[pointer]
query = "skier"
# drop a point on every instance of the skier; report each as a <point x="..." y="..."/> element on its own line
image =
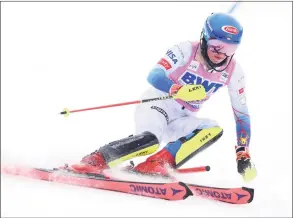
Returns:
<point x="192" y="72"/>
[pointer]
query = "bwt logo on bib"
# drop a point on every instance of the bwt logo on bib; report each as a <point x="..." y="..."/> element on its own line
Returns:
<point x="172" y="56"/>
<point x="189" y="78"/>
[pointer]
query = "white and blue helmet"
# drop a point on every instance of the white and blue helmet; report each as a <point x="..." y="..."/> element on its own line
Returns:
<point x="221" y="27"/>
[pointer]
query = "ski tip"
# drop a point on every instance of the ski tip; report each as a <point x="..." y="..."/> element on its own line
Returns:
<point x="208" y="168"/>
<point x="251" y="192"/>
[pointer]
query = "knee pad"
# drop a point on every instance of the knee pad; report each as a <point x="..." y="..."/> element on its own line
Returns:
<point x="196" y="142"/>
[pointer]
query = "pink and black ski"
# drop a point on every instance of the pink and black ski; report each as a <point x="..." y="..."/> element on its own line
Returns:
<point x="168" y="191"/>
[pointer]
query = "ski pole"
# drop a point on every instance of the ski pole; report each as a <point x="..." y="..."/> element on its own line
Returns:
<point x="194" y="169"/>
<point x="66" y="111"/>
<point x="233" y="7"/>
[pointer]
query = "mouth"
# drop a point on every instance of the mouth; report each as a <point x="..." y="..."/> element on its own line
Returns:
<point x="217" y="59"/>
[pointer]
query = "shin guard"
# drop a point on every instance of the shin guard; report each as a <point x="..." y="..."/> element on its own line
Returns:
<point x="127" y="148"/>
<point x="195" y="142"/>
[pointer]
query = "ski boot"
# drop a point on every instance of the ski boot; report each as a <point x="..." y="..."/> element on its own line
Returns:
<point x="116" y="152"/>
<point x="92" y="163"/>
<point x="156" y="164"/>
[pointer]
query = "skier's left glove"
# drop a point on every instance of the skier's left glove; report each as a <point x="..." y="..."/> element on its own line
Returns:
<point x="245" y="167"/>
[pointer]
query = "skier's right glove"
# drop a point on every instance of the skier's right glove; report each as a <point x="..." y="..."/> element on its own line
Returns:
<point x="245" y="167"/>
<point x="188" y="92"/>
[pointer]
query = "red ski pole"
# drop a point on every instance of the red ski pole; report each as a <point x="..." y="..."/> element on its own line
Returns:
<point x="194" y="169"/>
<point x="66" y="111"/>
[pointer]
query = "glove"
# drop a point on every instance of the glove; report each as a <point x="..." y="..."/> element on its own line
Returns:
<point x="244" y="165"/>
<point x="188" y="92"/>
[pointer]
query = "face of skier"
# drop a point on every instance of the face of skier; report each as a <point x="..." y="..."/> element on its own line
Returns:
<point x="216" y="57"/>
<point x="218" y="50"/>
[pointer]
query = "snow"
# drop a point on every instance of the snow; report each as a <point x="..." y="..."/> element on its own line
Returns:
<point x="78" y="55"/>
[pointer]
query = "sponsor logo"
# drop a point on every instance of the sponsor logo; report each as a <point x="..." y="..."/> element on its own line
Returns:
<point x="213" y="193"/>
<point x="230" y="29"/>
<point x="240" y="91"/>
<point x="165" y="64"/>
<point x="194" y="88"/>
<point x="141" y="153"/>
<point x="193" y="66"/>
<point x="172" y="56"/>
<point x="190" y="78"/>
<point x="148" y="189"/>
<point x="224" y="77"/>
<point x="206" y="137"/>
<point x="162" y="112"/>
<point x="175" y="191"/>
<point x="239" y="196"/>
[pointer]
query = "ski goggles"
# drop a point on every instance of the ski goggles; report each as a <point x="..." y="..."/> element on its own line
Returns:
<point x="218" y="46"/>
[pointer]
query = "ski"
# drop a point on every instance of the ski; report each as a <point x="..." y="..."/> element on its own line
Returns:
<point x="131" y="169"/>
<point x="241" y="195"/>
<point x="167" y="191"/>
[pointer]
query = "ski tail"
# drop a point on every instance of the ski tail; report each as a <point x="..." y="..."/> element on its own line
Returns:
<point x="241" y="195"/>
<point x="167" y="191"/>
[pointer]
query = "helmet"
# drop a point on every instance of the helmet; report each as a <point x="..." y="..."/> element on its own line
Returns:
<point x="224" y="29"/>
